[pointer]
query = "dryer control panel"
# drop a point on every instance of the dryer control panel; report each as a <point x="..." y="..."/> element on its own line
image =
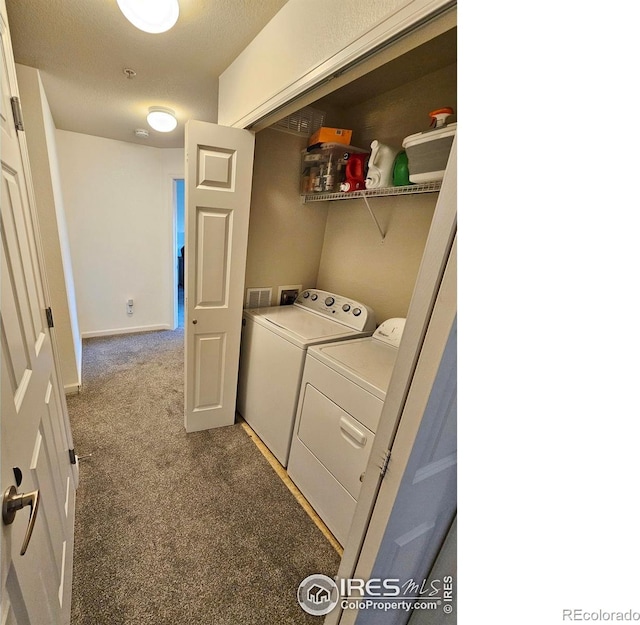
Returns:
<point x="339" y="308"/>
<point x="390" y="331"/>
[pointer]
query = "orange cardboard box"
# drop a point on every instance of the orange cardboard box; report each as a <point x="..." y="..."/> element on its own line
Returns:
<point x="330" y="135"/>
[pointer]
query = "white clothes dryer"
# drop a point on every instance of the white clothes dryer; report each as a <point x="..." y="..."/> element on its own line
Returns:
<point x="341" y="397"/>
<point x="274" y="344"/>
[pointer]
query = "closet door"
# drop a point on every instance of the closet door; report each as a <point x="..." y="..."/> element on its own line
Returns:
<point x="219" y="169"/>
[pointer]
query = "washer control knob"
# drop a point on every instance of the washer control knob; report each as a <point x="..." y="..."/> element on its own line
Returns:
<point x="314" y="297"/>
<point x="346" y="307"/>
<point x="357" y="312"/>
<point x="330" y="301"/>
<point x="305" y="294"/>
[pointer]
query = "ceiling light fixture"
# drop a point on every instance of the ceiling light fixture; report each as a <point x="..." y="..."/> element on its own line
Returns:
<point x="162" y="119"/>
<point x="151" y="16"/>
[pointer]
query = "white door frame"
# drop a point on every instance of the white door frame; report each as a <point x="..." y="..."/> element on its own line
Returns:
<point x="173" y="268"/>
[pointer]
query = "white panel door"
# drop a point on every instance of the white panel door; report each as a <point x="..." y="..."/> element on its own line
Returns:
<point x="219" y="165"/>
<point x="417" y="499"/>
<point x="36" y="573"/>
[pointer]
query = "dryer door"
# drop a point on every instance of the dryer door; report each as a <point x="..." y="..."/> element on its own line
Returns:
<point x="340" y="442"/>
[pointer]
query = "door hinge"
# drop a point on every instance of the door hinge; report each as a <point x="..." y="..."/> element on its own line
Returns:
<point x="72" y="455"/>
<point x="49" y="317"/>
<point x="385" y="463"/>
<point x="17" y="113"/>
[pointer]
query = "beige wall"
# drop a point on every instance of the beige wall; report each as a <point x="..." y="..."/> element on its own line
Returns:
<point x="336" y="246"/>
<point x="285" y="236"/>
<point x="357" y="264"/>
<point x="398" y="113"/>
<point x="354" y="261"/>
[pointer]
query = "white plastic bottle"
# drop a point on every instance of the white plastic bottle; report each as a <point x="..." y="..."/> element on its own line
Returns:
<point x="380" y="174"/>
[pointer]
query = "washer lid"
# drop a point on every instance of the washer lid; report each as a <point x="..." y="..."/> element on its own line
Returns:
<point x="300" y="326"/>
<point x="366" y="362"/>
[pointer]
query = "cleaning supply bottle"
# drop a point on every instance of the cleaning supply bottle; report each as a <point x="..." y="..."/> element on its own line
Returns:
<point x="439" y="116"/>
<point x="380" y="172"/>
<point x="354" y="172"/>
<point x="401" y="170"/>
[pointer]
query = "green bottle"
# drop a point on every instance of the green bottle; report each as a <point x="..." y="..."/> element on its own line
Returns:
<point x="401" y="170"/>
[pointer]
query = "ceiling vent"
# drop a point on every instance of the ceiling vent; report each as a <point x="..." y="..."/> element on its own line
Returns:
<point x="257" y="298"/>
<point x="303" y="122"/>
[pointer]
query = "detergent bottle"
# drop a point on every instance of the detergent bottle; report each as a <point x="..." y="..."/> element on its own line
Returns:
<point x="401" y="170"/>
<point x="354" y="172"/>
<point x="380" y="172"/>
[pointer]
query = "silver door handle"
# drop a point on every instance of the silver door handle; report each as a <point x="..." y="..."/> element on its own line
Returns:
<point x="12" y="502"/>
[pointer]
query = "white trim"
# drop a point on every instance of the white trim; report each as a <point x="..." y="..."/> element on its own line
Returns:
<point x="72" y="389"/>
<point x="173" y="213"/>
<point x="383" y="32"/>
<point x="115" y="331"/>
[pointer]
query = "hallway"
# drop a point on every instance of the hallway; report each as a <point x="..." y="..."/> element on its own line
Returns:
<point x="176" y="528"/>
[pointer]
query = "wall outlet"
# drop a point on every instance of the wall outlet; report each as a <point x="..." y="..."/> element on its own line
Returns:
<point x="129" y="307"/>
<point x="288" y="294"/>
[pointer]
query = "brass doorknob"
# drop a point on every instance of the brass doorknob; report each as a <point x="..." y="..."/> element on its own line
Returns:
<point x="12" y="502"/>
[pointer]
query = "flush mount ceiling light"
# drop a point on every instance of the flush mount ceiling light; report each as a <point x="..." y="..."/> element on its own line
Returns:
<point x="151" y="16"/>
<point x="162" y="119"/>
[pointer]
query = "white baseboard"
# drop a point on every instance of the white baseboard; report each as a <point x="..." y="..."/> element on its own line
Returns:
<point x="115" y="331"/>
<point x="72" y="389"/>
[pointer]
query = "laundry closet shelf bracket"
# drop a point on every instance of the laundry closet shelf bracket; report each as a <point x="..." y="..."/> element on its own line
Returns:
<point x="375" y="219"/>
<point x="425" y="187"/>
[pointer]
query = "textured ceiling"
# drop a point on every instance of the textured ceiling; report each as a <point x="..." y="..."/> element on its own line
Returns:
<point x="81" y="48"/>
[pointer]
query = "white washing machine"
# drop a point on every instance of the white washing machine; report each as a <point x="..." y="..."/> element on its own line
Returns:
<point x="341" y="397"/>
<point x="273" y="348"/>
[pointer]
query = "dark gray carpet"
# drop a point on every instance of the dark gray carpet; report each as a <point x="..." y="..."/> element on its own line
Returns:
<point x="176" y="528"/>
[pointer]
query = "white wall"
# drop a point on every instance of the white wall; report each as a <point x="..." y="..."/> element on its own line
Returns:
<point x="118" y="201"/>
<point x="41" y="143"/>
<point x="303" y="44"/>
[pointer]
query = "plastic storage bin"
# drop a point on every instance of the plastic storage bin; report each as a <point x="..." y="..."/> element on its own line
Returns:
<point x="428" y="153"/>
<point x="323" y="169"/>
